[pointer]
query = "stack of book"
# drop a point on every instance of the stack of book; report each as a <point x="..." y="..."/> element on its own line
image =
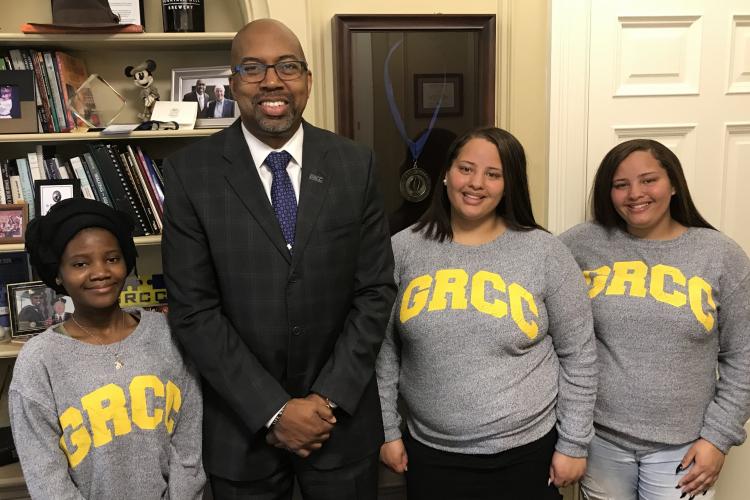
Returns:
<point x="57" y="75"/>
<point x="121" y="175"/>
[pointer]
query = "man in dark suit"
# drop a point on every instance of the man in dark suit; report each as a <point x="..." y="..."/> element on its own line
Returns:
<point x="199" y="95"/>
<point x="280" y="280"/>
<point x="220" y="107"/>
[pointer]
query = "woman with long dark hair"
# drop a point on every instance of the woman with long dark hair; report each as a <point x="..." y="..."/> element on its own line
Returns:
<point x="490" y="342"/>
<point x="671" y="303"/>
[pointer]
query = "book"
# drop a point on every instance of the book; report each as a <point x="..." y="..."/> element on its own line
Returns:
<point x="7" y="194"/>
<point x="128" y="162"/>
<point x="15" y="182"/>
<point x="155" y="195"/>
<point x="27" y="184"/>
<point x="54" y="85"/>
<point x="36" y="174"/>
<point x="80" y="174"/>
<point x="100" y="189"/>
<point x="43" y="89"/>
<point x="72" y="75"/>
<point x="122" y="196"/>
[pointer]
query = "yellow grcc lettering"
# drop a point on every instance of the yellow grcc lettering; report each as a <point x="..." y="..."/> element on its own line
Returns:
<point x="596" y="279"/>
<point x="656" y="288"/>
<point x="173" y="405"/>
<point x="79" y="437"/>
<point x="479" y="281"/>
<point x="451" y="281"/>
<point x="517" y="293"/>
<point x="415" y="297"/>
<point x="100" y="415"/>
<point x="139" y="401"/>
<point x="697" y="288"/>
<point x="633" y="272"/>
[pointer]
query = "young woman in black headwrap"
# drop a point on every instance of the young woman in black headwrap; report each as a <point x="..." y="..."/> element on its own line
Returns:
<point x="102" y="405"/>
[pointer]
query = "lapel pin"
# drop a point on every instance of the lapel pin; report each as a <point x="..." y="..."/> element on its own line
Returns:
<point x="316" y="178"/>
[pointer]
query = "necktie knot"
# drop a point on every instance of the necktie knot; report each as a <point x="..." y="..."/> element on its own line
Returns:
<point x="278" y="161"/>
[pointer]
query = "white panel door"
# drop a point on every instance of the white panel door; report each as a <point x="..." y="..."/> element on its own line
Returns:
<point x="677" y="71"/>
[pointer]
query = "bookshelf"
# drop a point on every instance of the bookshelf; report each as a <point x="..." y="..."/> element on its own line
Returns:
<point x="108" y="55"/>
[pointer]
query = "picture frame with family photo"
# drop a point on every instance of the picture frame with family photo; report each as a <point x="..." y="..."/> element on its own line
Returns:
<point x="206" y="86"/>
<point x="34" y="307"/>
<point x="17" y="103"/>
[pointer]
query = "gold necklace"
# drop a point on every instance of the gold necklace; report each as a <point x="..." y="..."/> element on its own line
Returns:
<point x="118" y="363"/>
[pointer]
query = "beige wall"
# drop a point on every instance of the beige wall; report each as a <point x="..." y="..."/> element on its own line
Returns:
<point x="522" y="61"/>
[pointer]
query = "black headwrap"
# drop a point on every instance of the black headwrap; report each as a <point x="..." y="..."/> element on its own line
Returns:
<point x="47" y="236"/>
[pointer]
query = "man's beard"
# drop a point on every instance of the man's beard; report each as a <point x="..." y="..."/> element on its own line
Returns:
<point x="276" y="125"/>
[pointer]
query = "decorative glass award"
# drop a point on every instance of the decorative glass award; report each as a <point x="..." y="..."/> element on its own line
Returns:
<point x="96" y="103"/>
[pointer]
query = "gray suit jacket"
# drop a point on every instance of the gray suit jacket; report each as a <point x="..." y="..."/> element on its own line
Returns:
<point x="264" y="325"/>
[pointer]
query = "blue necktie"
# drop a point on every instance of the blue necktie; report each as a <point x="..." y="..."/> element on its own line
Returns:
<point x="282" y="195"/>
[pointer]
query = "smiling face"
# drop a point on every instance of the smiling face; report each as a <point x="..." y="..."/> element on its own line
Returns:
<point x="93" y="270"/>
<point x="219" y="93"/>
<point x="272" y="108"/>
<point x="475" y="183"/>
<point x="641" y="193"/>
<point x="200" y="87"/>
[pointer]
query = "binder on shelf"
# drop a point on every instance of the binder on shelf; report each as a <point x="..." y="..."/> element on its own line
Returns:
<point x="145" y="189"/>
<point x="115" y="180"/>
<point x="7" y="195"/>
<point x="141" y="204"/>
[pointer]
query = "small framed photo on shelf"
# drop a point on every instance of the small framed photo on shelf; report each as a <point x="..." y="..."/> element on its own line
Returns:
<point x="210" y="88"/>
<point x="17" y="103"/>
<point x="430" y="88"/>
<point x="13" y="220"/>
<point x="50" y="191"/>
<point x="34" y="308"/>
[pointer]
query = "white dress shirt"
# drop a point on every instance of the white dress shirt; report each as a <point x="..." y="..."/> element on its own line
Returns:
<point x="260" y="151"/>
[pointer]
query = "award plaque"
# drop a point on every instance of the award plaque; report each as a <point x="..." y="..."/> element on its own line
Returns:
<point x="96" y="103"/>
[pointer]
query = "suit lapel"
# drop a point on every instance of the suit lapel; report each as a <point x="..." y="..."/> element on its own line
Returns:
<point x="242" y="176"/>
<point x="313" y="186"/>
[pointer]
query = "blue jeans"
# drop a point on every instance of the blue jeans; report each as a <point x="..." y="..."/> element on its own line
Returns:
<point x="615" y="473"/>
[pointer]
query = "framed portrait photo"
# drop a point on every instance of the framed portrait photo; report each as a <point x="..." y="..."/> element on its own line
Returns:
<point x="210" y="88"/>
<point x="50" y="191"/>
<point x="17" y="103"/>
<point x="429" y="89"/>
<point x="13" y="220"/>
<point x="34" y="308"/>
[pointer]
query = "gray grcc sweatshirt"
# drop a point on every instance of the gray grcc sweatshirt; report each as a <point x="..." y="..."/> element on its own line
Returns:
<point x="667" y="314"/>
<point x="489" y="345"/>
<point x="84" y="429"/>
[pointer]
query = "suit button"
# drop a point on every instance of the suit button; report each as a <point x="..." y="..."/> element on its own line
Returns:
<point x="296" y="331"/>
<point x="293" y="278"/>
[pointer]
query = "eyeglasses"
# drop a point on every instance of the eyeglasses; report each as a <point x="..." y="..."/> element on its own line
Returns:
<point x="254" y="72"/>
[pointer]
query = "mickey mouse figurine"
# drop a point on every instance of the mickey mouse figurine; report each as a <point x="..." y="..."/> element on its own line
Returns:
<point x="143" y="78"/>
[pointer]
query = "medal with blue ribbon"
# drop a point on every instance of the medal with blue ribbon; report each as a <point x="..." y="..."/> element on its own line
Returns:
<point x="415" y="184"/>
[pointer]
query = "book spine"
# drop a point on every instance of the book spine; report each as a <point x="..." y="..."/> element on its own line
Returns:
<point x="62" y="170"/>
<point x="55" y="88"/>
<point x="99" y="186"/>
<point x="28" y="61"/>
<point x="80" y="174"/>
<point x="122" y="197"/>
<point x="40" y="72"/>
<point x="158" y="200"/>
<point x="7" y="195"/>
<point x="27" y="184"/>
<point x="130" y="186"/>
<point x="57" y="61"/>
<point x="50" y="169"/>
<point x="128" y="162"/>
<point x="15" y="182"/>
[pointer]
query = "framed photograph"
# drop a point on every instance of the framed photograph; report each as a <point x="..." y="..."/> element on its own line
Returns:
<point x="34" y="308"/>
<point x="50" y="191"/>
<point x="17" y="103"/>
<point x="209" y="87"/>
<point x="429" y="88"/>
<point x="13" y="220"/>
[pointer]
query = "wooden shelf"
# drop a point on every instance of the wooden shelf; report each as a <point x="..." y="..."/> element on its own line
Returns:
<point x="55" y="138"/>
<point x="9" y="350"/>
<point x="140" y="241"/>
<point x="122" y="41"/>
